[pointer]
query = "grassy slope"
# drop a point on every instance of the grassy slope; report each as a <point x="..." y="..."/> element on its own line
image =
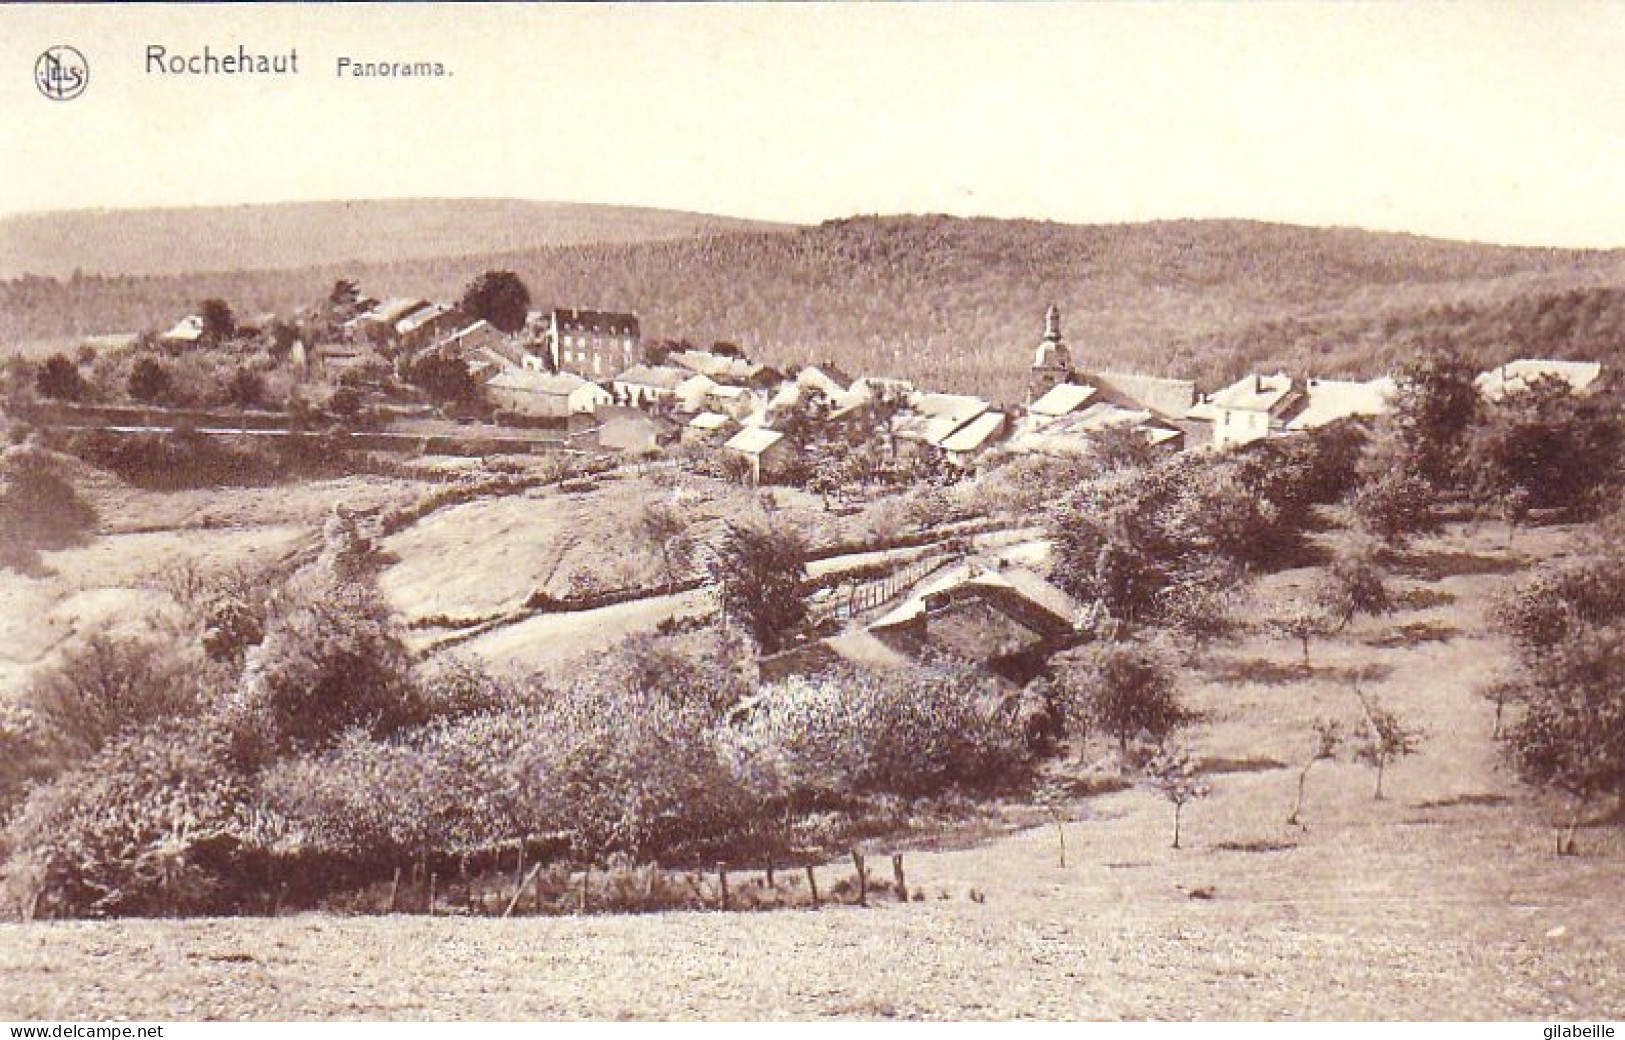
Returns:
<point x="1442" y="902"/>
<point x="304" y="234"/>
<point x="958" y="304"/>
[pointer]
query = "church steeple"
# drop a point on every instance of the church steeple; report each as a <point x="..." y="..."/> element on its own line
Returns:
<point x="1052" y="362"/>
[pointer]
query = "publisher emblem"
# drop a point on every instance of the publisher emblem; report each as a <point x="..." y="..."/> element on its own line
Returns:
<point x="61" y="73"/>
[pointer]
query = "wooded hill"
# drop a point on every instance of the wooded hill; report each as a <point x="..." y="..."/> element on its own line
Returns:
<point x="958" y="303"/>
<point x="304" y="234"/>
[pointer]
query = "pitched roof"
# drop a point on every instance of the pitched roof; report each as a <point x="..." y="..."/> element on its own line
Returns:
<point x="391" y="311"/>
<point x="753" y="440"/>
<point x="1169" y="398"/>
<point x="1061" y="399"/>
<point x="1525" y="372"/>
<point x="975" y="434"/>
<point x="709" y="421"/>
<point x="1255" y="393"/>
<point x="561" y="385"/>
<point x="186" y="330"/>
<point x="1332" y="399"/>
<point x="716" y="366"/>
<point x="933" y="418"/>
<point x="601" y="323"/>
<point x="421" y="317"/>
<point x="663" y="377"/>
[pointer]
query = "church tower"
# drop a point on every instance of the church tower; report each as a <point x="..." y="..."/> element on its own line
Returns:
<point x="1052" y="363"/>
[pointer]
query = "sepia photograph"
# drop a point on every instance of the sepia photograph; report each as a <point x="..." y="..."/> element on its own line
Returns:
<point x="872" y="512"/>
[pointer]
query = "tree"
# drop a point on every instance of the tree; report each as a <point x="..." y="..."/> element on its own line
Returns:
<point x="665" y="527"/>
<point x="760" y="570"/>
<point x="1354" y="585"/>
<point x="59" y="378"/>
<point x="1328" y="738"/>
<point x="1124" y="690"/>
<point x="444" y="379"/>
<point x="1387" y="738"/>
<point x="1545" y="447"/>
<point x="500" y="298"/>
<point x="1395" y="505"/>
<point x="1435" y="405"/>
<point x="1571" y="736"/>
<point x="1297" y="617"/>
<point x="219" y="324"/>
<point x="1172" y="774"/>
<point x="344" y="295"/>
<point x="149" y="381"/>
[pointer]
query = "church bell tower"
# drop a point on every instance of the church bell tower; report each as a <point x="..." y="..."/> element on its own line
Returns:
<point x="1052" y="363"/>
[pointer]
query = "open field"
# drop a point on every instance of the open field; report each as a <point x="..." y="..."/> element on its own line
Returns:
<point x="117" y="576"/>
<point x="1443" y="901"/>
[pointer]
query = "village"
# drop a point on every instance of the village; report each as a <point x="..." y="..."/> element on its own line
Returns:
<point x="490" y="610"/>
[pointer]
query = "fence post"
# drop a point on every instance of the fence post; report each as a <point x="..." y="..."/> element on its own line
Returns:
<point x="897" y="873"/>
<point x="863" y="878"/>
<point x="722" y="882"/>
<point x="812" y="884"/>
<point x="394" y="886"/>
<point x="519" y="889"/>
<point x="586" y="873"/>
<point x="433" y="878"/>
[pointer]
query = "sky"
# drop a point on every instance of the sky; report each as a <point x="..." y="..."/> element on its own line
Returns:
<point x="1496" y="122"/>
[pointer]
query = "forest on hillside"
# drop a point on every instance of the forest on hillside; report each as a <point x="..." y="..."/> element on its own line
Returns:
<point x="957" y="304"/>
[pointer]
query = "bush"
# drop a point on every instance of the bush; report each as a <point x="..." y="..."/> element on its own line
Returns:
<point x="59" y="378"/>
<point x="1558" y="602"/>
<point x="108" y="684"/>
<point x="39" y="506"/>
<point x="149" y="826"/>
<point x="855" y="732"/>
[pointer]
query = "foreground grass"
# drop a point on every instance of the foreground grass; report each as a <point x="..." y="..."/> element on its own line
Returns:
<point x="1442" y="901"/>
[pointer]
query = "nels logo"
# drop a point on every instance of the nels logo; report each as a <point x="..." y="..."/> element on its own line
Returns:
<point x="61" y="73"/>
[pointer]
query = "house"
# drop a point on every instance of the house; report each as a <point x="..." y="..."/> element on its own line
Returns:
<point x="998" y="614"/>
<point x="693" y="393"/>
<point x="1061" y="399"/>
<point x="966" y="443"/>
<point x="1075" y="434"/>
<point x="633" y="430"/>
<point x="188" y="332"/>
<point x="1518" y="375"/>
<point x="764" y="450"/>
<point x="337" y="359"/>
<point x="379" y="322"/>
<point x="595" y="344"/>
<point x="425" y="325"/>
<point x="645" y="386"/>
<point x="1250" y="409"/>
<point x="707" y="428"/>
<point x="543" y="395"/>
<point x="1330" y="400"/>
<point x="466" y="342"/>
<point x="930" y="419"/>
<point x="726" y="369"/>
<point x="1166" y="399"/>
